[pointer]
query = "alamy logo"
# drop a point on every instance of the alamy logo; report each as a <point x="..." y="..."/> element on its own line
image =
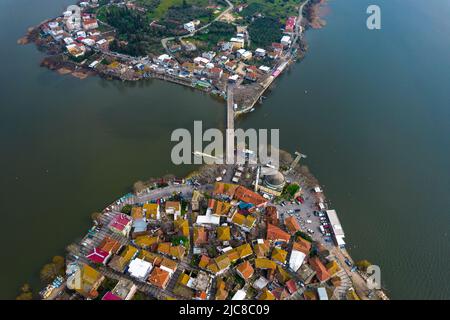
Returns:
<point x="241" y="145"/>
<point x="374" y="279"/>
<point x="73" y="17"/>
<point x="374" y="20"/>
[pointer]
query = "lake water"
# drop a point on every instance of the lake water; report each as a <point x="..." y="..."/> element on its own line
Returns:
<point x="374" y="124"/>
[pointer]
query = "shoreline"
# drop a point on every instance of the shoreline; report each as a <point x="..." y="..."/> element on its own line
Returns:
<point x="82" y="73"/>
<point x="203" y="180"/>
<point x="58" y="60"/>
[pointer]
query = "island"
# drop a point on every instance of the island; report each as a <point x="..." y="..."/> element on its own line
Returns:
<point x="209" y="45"/>
<point x="224" y="232"/>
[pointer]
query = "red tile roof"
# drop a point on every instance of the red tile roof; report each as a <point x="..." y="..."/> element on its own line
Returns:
<point x="291" y="286"/>
<point x="246" y="195"/>
<point x="292" y="224"/>
<point x="159" y="277"/>
<point x="276" y="234"/>
<point x="120" y="222"/>
<point x="321" y="272"/>
<point x="97" y="255"/>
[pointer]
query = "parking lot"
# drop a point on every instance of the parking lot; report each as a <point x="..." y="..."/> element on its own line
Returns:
<point x="304" y="212"/>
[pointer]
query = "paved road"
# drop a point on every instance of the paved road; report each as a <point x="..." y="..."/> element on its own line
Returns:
<point x="230" y="125"/>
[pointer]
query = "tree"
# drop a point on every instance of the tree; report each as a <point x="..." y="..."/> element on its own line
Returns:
<point x="51" y="270"/>
<point x="127" y="209"/>
<point x="292" y="189"/>
<point x="96" y="216"/>
<point x="72" y="248"/>
<point x="363" y="265"/>
<point x="25" y="293"/>
<point x="139" y="186"/>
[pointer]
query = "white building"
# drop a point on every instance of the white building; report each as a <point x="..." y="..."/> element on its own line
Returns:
<point x="208" y="218"/>
<point x="139" y="269"/>
<point x="296" y="260"/>
<point x="265" y="69"/>
<point x="260" y="52"/>
<point x="190" y="26"/>
<point x="336" y="226"/>
<point x="322" y="293"/>
<point x="239" y="295"/>
<point x="201" y="61"/>
<point x="286" y="41"/>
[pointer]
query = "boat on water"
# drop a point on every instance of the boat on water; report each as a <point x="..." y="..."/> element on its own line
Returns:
<point x="252" y="109"/>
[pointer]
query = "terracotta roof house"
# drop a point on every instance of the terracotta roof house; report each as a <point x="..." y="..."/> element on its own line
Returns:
<point x="246" y="195"/>
<point x="204" y="261"/>
<point x="109" y="245"/>
<point x="159" y="278"/>
<point x="219" y="208"/>
<point x="302" y="245"/>
<point x="226" y="189"/>
<point x="164" y="248"/>
<point x="245" y="270"/>
<point x="321" y="272"/>
<point x="292" y="224"/>
<point x="276" y="234"/>
<point x="200" y="236"/>
<point x="233" y="255"/>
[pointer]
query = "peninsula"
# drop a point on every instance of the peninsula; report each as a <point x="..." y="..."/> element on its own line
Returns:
<point x="224" y="232"/>
<point x="203" y="44"/>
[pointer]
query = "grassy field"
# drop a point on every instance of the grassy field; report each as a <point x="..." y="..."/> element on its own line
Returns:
<point x="157" y="9"/>
<point x="279" y="9"/>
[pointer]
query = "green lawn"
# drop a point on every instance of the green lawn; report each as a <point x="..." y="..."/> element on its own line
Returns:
<point x="279" y="9"/>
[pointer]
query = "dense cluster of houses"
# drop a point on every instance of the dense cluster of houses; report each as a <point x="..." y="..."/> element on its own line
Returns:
<point x="233" y="235"/>
<point x="232" y="61"/>
<point x="78" y="32"/>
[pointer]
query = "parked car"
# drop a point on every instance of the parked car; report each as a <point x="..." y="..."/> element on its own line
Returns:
<point x="347" y="262"/>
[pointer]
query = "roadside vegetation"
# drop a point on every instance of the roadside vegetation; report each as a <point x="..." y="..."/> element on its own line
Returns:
<point x="264" y="31"/>
<point x="139" y="31"/>
<point x="218" y="31"/>
<point x="53" y="269"/>
<point x="277" y="9"/>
